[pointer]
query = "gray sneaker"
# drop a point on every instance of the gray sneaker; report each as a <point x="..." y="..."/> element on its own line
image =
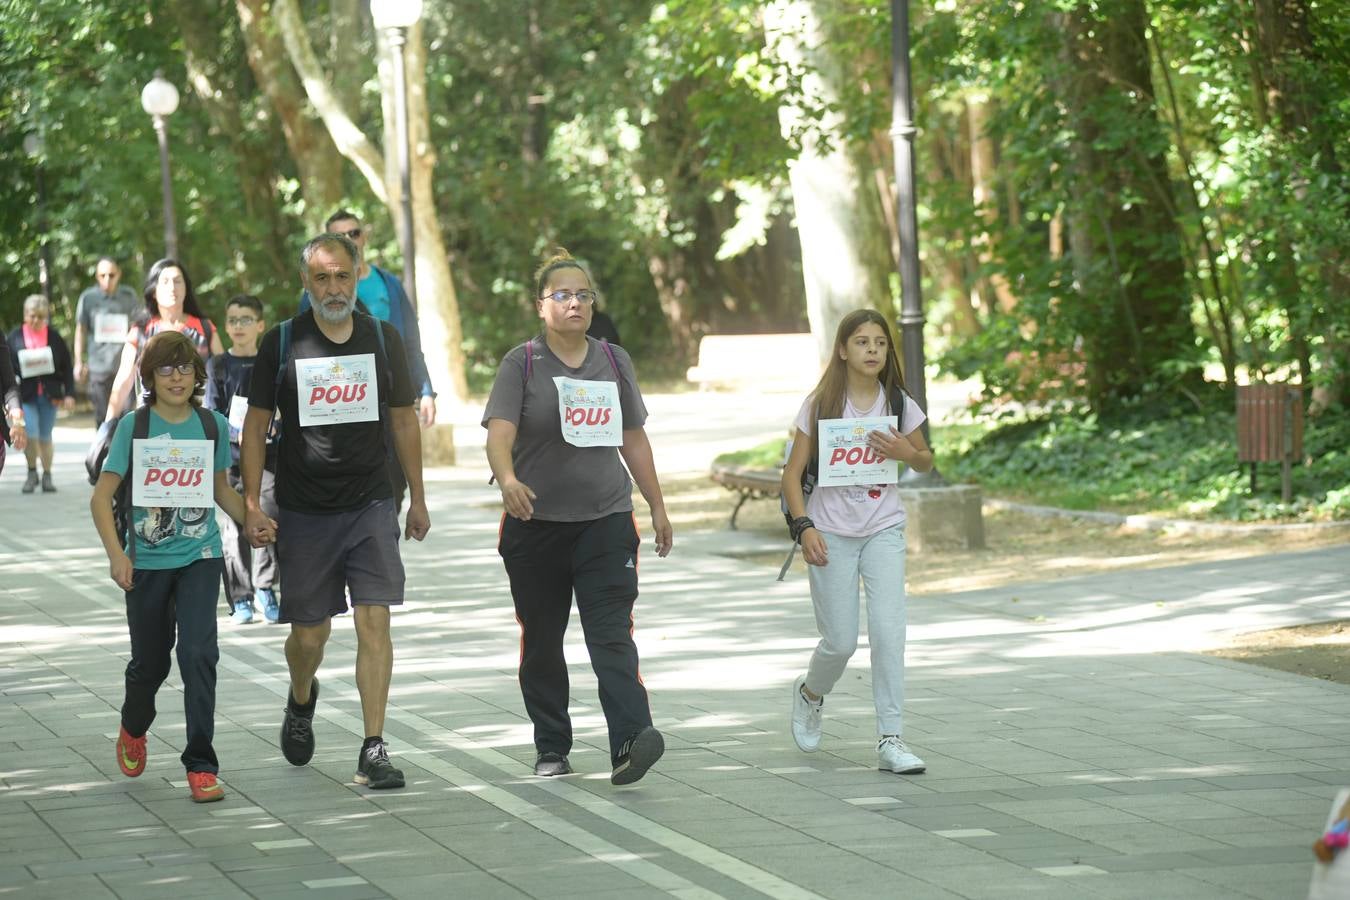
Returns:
<point x="374" y="769"/>
<point x="640" y="752"/>
<point x="805" y="718"/>
<point x="894" y="756"/>
<point x="551" y="765"/>
<point x="30" y="484"/>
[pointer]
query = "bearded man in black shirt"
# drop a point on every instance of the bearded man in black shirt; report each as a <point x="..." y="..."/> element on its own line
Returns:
<point x="338" y="382"/>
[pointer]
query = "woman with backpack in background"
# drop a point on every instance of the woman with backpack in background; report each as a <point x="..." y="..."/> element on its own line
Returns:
<point x="561" y="406"/>
<point x="170" y="305"/>
<point x="856" y="531"/>
<point x="46" y="380"/>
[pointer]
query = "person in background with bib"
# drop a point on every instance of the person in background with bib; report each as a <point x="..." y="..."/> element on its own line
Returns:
<point x="856" y="531"/>
<point x="46" y="380"/>
<point x="13" y="429"/>
<point x="170" y="305"/>
<point x="249" y="573"/>
<point x="564" y="416"/>
<point x="103" y="317"/>
<point x="340" y="385"/>
<point x="171" y="569"/>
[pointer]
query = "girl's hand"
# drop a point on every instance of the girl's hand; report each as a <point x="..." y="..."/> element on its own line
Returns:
<point x="18" y="436"/>
<point x="68" y="403"/>
<point x="119" y="567"/>
<point x="516" y="497"/>
<point x="892" y="445"/>
<point x="814" y="549"/>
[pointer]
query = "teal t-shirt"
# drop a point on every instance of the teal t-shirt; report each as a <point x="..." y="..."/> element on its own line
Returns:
<point x="170" y="537"/>
<point x="373" y="292"/>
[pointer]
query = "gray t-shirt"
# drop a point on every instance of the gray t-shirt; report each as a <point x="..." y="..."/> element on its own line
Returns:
<point x="571" y="484"/>
<point x="102" y="357"/>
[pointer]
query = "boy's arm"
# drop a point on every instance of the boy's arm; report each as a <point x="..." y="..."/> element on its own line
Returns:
<point x="228" y="499"/>
<point x="100" y="506"/>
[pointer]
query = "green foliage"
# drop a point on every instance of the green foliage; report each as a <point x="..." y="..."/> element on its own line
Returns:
<point x="1155" y="455"/>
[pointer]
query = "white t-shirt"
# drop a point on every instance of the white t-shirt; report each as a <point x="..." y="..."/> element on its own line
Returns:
<point x="858" y="510"/>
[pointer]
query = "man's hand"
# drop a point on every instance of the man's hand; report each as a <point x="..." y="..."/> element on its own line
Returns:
<point x="814" y="549"/>
<point x="516" y="499"/>
<point x="81" y="370"/>
<point x="665" y="535"/>
<point x="68" y="403"/>
<point x="417" y="523"/>
<point x="259" y="528"/>
<point x="120" y="568"/>
<point x="426" y="412"/>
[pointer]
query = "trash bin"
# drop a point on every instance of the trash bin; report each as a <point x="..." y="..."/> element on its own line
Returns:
<point x="1270" y="428"/>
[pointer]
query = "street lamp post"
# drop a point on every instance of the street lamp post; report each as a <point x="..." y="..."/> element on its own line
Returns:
<point x="34" y="146"/>
<point x="394" y="18"/>
<point x="907" y="223"/>
<point x="160" y="99"/>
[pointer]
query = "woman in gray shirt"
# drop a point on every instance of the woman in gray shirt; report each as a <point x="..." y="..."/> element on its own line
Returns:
<point x="564" y="416"/>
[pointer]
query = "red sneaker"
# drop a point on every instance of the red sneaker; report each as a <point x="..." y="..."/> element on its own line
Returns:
<point x="130" y="753"/>
<point x="204" y="787"/>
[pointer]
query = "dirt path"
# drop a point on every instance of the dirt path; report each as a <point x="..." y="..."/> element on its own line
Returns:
<point x="1024" y="548"/>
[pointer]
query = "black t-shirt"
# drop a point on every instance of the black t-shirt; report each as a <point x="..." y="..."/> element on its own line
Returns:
<point x="226" y="376"/>
<point x="331" y="468"/>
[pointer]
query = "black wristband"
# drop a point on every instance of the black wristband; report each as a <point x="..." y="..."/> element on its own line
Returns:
<point x="800" y="524"/>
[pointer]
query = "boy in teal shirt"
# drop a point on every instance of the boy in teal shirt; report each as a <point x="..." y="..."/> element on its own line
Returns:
<point x="175" y="578"/>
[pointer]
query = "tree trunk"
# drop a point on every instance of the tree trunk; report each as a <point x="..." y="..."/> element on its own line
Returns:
<point x="996" y="292"/>
<point x="1133" y="303"/>
<point x="316" y="158"/>
<point x="845" y="260"/>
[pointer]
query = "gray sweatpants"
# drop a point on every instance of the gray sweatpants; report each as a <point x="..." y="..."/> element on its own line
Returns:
<point x="879" y="561"/>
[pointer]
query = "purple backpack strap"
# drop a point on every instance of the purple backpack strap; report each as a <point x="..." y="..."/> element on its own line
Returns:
<point x="529" y="359"/>
<point x="613" y="363"/>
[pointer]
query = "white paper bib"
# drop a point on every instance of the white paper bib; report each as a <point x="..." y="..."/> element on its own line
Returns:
<point x="168" y="472"/>
<point x="110" y="328"/>
<point x="238" y="409"/>
<point x="337" y="389"/>
<point x="590" y="412"/>
<point x="37" y="361"/>
<point x="845" y="457"/>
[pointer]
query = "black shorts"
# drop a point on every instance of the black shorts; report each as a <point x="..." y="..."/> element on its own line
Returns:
<point x="321" y="556"/>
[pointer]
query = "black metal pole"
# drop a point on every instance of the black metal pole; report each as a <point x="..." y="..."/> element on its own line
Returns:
<point x="907" y="223"/>
<point x="398" y="39"/>
<point x="166" y="188"/>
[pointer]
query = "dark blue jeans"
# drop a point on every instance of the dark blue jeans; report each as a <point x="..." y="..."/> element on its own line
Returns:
<point x="164" y="604"/>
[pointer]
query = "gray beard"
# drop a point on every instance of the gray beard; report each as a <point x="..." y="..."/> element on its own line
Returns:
<point x="323" y="312"/>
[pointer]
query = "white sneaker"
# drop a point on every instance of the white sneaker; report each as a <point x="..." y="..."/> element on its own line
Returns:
<point x="805" y="718"/>
<point x="894" y="756"/>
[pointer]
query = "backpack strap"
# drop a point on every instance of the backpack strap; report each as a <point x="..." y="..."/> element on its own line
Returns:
<point x="283" y="357"/>
<point x="529" y="359"/>
<point x="140" y="430"/>
<point x="613" y="363"/>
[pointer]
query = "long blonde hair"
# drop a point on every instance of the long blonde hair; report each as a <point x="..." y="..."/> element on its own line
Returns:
<point x="828" y="396"/>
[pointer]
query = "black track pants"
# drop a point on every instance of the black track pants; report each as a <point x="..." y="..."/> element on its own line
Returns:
<point x="547" y="562"/>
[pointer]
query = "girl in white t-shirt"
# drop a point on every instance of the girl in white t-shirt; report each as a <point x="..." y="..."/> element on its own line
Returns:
<point x="856" y="531"/>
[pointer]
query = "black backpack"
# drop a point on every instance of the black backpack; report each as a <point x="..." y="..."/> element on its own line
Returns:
<point x="811" y="474"/>
<point x="121" y="504"/>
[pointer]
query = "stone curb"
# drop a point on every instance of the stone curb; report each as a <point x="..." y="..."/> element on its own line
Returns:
<point x="1159" y="523"/>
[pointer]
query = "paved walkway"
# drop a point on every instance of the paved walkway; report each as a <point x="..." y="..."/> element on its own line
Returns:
<point x="1075" y="749"/>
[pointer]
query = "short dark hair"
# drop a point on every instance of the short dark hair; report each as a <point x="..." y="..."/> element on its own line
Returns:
<point x="248" y="301"/>
<point x="107" y="259"/>
<point x="338" y="217"/>
<point x="328" y="239"/>
<point x="171" y="348"/>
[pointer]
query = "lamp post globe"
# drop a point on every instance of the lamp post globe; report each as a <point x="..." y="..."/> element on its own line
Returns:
<point x="33" y="145"/>
<point x="395" y="13"/>
<point x="159" y="97"/>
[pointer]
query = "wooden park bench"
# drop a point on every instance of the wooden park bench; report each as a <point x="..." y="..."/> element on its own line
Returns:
<point x="765" y="362"/>
<point x="749" y="483"/>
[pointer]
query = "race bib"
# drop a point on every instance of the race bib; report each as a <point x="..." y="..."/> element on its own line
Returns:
<point x="37" y="361"/>
<point x="238" y="409"/>
<point x="168" y="472"/>
<point x="337" y="389"/>
<point x="110" y="328"/>
<point x="590" y="412"/>
<point x="845" y="457"/>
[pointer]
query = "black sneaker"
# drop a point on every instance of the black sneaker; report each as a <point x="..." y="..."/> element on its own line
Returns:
<point x="549" y="765"/>
<point x="374" y="770"/>
<point x="640" y="752"/>
<point x="297" y="729"/>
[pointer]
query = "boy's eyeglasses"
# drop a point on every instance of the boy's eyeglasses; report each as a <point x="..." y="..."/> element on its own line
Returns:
<point x="584" y="297"/>
<point x="181" y="369"/>
<point x="354" y="234"/>
<point x="241" y="322"/>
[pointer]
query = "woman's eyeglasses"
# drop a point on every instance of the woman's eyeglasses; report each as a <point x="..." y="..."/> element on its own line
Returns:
<point x="584" y="297"/>
<point x="181" y="369"/>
